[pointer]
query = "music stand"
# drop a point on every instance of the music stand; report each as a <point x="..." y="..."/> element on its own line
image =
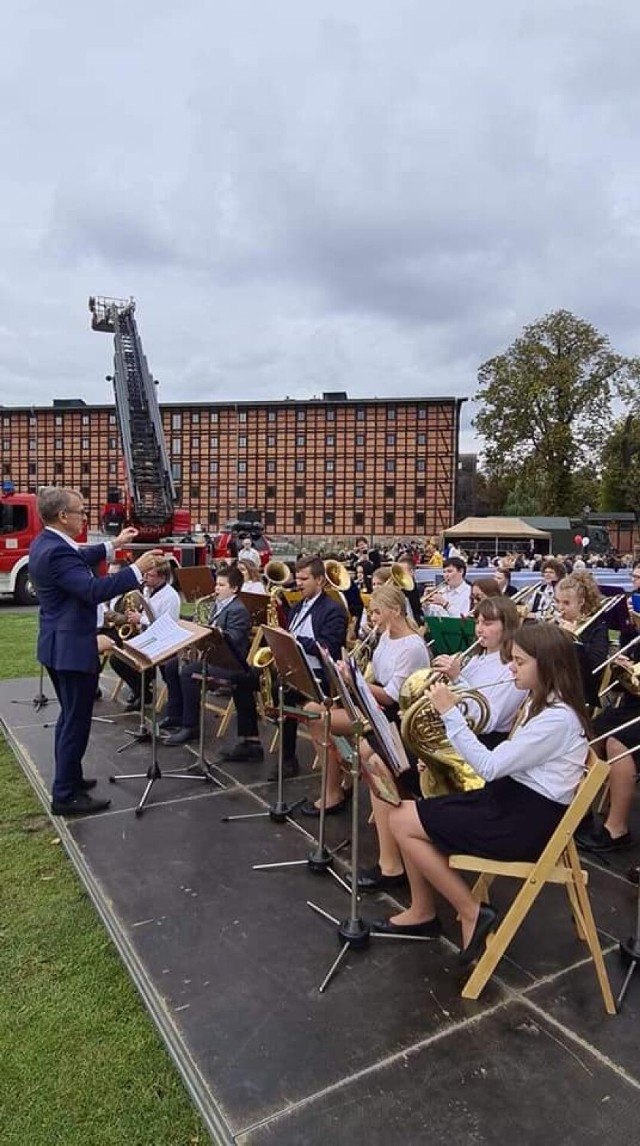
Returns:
<point x="295" y="672"/>
<point x="257" y="605"/>
<point x="195" y="582"/>
<point x="355" y="932"/>
<point x="40" y="699"/>
<point x="161" y="641"/>
<point x="217" y="652"/>
<point x="320" y="859"/>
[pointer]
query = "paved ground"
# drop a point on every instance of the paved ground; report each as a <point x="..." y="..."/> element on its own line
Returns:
<point x="229" y="961"/>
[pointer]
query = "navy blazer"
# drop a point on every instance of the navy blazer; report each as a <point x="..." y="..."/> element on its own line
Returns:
<point x="329" y="623"/>
<point x="235" y="622"/>
<point x="69" y="593"/>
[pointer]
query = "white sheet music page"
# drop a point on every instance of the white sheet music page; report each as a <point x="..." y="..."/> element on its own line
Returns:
<point x="161" y="637"/>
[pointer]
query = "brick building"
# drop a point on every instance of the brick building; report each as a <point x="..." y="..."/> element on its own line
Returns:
<point x="321" y="466"/>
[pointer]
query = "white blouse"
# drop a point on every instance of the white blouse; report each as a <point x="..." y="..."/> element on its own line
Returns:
<point x="547" y="753"/>
<point x="395" y="658"/>
<point x="489" y="672"/>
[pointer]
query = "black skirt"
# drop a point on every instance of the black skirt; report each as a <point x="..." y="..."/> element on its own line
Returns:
<point x="612" y="718"/>
<point x="505" y="820"/>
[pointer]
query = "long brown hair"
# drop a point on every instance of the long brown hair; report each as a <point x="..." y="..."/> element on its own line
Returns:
<point x="500" y="609"/>
<point x="558" y="669"/>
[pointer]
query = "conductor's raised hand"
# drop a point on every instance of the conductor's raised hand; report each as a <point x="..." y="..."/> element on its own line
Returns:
<point x="125" y="537"/>
<point x="146" y="561"/>
<point x="441" y="697"/>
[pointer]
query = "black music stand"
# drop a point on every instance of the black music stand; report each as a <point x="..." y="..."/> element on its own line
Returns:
<point x="294" y="672"/>
<point x="257" y="606"/>
<point x="40" y="699"/>
<point x="630" y="954"/>
<point x="195" y="582"/>
<point x="146" y="653"/>
<point x="354" y="933"/>
<point x="216" y="653"/>
<point x="320" y="859"/>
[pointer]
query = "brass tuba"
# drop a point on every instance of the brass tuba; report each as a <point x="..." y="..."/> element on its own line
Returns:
<point x="423" y="730"/>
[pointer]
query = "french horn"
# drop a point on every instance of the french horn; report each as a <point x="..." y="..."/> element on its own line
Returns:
<point x="423" y="731"/>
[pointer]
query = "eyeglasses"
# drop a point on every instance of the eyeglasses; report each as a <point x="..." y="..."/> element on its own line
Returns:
<point x="81" y="512"/>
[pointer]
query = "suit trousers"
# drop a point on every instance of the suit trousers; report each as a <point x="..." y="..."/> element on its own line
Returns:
<point x="183" y="694"/>
<point x="76" y="693"/>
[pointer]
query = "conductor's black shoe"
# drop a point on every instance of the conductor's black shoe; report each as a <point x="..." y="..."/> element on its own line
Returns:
<point x="601" y="840"/>
<point x="373" y="879"/>
<point x="485" y="923"/>
<point x="243" y="750"/>
<point x="290" y="767"/>
<point x="182" y="736"/>
<point x="430" y="929"/>
<point x="86" y="785"/>
<point x="167" y="722"/>
<point x="80" y="805"/>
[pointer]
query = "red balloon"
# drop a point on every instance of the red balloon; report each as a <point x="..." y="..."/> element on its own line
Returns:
<point x="578" y="539"/>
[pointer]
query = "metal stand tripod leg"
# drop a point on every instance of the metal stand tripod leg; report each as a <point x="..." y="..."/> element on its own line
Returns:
<point x="320" y="858"/>
<point x="153" y="772"/>
<point x="201" y="761"/>
<point x="40" y="699"/>
<point x="630" y="950"/>
<point x="354" y="932"/>
<point x="280" y="811"/>
<point x="143" y="735"/>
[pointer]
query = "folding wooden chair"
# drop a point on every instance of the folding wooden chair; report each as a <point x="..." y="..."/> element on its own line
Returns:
<point x="559" y="863"/>
<point x="226" y="711"/>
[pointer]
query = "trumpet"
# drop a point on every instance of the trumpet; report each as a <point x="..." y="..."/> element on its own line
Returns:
<point x="364" y="649"/>
<point x="428" y="595"/>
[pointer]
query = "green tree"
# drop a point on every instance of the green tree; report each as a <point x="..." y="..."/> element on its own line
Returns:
<point x="621" y="466"/>
<point x="545" y="406"/>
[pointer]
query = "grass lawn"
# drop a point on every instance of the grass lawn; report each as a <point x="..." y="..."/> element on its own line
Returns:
<point x="81" y="1063"/>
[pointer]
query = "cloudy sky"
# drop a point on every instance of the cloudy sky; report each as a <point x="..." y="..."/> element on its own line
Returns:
<point x="309" y="195"/>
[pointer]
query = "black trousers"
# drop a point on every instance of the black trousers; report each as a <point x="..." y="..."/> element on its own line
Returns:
<point x="76" y="692"/>
<point x="183" y="692"/>
<point x="130" y="676"/>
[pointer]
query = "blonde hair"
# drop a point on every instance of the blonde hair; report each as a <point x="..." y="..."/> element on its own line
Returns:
<point x="391" y="597"/>
<point x="584" y="586"/>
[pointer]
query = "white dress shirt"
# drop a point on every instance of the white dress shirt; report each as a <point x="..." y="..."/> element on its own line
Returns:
<point x="395" y="659"/>
<point x="458" y="600"/>
<point x="503" y="698"/>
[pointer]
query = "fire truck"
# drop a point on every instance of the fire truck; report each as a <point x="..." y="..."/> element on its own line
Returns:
<point x="19" y="524"/>
<point x="148" y="500"/>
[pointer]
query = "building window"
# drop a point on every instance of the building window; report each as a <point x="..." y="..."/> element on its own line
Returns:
<point x="58" y="420"/>
<point x="331" y="415"/>
<point x="178" y="494"/>
<point x="359" y="465"/>
<point x="242" y="415"/>
<point x="85" y="490"/>
<point x="330" y="440"/>
<point x="112" y="419"/>
<point x="270" y="517"/>
<point x="389" y="491"/>
<point x="298" y="517"/>
<point x="85" y="443"/>
<point x="300" y="439"/>
<point x="271" y="491"/>
<point x="32" y="443"/>
<point x="391" y="414"/>
<point x="242" y="442"/>
<point x="420" y="465"/>
<point x="195" y="443"/>
<point x="195" y="418"/>
<point x="213" y="493"/>
<point x="301" y="415"/>
<point x="213" y="517"/>
<point x="328" y="491"/>
<point x="86" y="468"/>
<point x="271" y="440"/>
<point x="359" y="439"/>
<point x="360" y="414"/>
<point x="389" y="518"/>
<point x="422" y="413"/>
<point x="300" y="467"/>
<point x="271" y="415"/>
<point x="420" y="490"/>
<point x="113" y="444"/>
<point x="112" y="469"/>
<point x="213" y="416"/>
<point x="32" y="420"/>
<point x="176" y="446"/>
<point x="57" y="443"/>
<point x="328" y="518"/>
<point x="299" y="491"/>
<point x="391" y="439"/>
<point x="271" y="466"/>
<point x="358" y="518"/>
<point x="6" y="469"/>
<point x="176" y="471"/>
<point x="195" y="466"/>
<point x="176" y="421"/>
<point x="330" y="465"/>
<point x="32" y="468"/>
<point x="213" y="467"/>
<point x="57" y="468"/>
<point x="359" y="491"/>
<point x="213" y="442"/>
<point x="390" y="465"/>
<point x="421" y="439"/>
<point x="242" y="467"/>
<point x="418" y="521"/>
<point x="241" y="491"/>
<point x="6" y="444"/>
<point x="85" y="419"/>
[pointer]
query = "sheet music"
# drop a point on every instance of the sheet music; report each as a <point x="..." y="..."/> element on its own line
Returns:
<point x="160" y="637"/>
<point x="379" y="723"/>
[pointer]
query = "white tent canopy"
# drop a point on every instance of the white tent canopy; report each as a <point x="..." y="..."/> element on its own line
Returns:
<point x="500" y="534"/>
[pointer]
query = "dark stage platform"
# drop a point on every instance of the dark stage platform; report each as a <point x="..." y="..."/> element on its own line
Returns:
<point x="229" y="960"/>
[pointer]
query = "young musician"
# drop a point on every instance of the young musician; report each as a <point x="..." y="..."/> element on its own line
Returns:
<point x="161" y="598"/>
<point x="531" y="779"/>
<point x="578" y="598"/>
<point x="453" y="599"/>
<point x="497" y="624"/>
<point x="182" y="713"/>
<point x="251" y="576"/>
<point x="400" y="652"/>
<point x="543" y="600"/>
<point x="484" y="587"/>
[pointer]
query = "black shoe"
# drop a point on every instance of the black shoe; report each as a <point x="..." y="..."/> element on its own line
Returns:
<point x="182" y="736"/>
<point x="309" y="809"/>
<point x="86" y="785"/>
<point x="80" y="805"/>
<point x="601" y="840"/>
<point x="485" y="923"/>
<point x="243" y="750"/>
<point x="98" y="695"/>
<point x="633" y="875"/>
<point x="290" y="767"/>
<point x="372" y="879"/>
<point x="167" y="722"/>
<point x="430" y="929"/>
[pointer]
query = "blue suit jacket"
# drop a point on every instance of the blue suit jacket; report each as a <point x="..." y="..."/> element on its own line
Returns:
<point x="69" y="593"/>
<point x="329" y="623"/>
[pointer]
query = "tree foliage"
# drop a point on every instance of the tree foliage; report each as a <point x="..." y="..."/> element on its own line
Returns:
<point x="620" y="488"/>
<point x="546" y="407"/>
